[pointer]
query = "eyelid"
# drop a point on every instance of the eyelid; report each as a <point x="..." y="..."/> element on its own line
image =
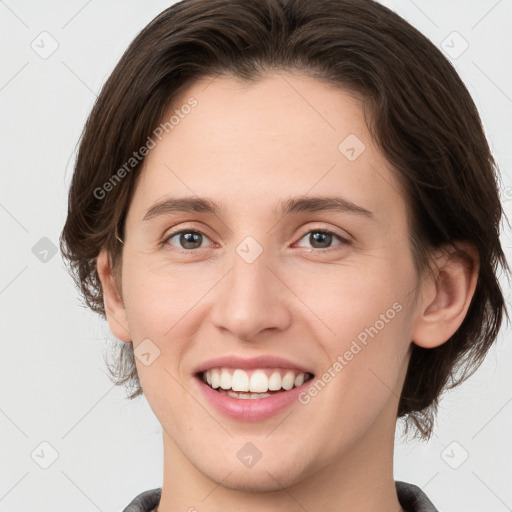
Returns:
<point x="172" y="233"/>
<point x="347" y="240"/>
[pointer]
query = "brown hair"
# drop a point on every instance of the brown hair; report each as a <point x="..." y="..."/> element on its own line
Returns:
<point x="420" y="114"/>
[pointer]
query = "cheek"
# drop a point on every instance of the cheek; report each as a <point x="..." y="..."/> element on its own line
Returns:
<point x="157" y="301"/>
<point x="160" y="308"/>
<point x="349" y="299"/>
<point x="367" y="315"/>
<point x="364" y="366"/>
<point x="369" y="344"/>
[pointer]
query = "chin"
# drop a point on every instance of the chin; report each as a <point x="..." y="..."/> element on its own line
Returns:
<point x="262" y="477"/>
<point x="258" y="482"/>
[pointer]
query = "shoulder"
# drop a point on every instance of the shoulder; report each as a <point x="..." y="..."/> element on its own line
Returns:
<point x="412" y="498"/>
<point x="145" y="501"/>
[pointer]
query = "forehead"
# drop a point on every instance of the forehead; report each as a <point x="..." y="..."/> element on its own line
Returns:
<point x="253" y="144"/>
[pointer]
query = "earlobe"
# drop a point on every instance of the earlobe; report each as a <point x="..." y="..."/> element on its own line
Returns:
<point x="113" y="302"/>
<point x="446" y="297"/>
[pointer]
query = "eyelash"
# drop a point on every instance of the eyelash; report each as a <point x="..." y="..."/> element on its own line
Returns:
<point x="165" y="241"/>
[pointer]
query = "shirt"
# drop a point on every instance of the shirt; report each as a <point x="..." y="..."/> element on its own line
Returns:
<point x="410" y="496"/>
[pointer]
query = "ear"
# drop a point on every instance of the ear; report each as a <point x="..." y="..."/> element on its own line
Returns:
<point x="114" y="306"/>
<point x="446" y="295"/>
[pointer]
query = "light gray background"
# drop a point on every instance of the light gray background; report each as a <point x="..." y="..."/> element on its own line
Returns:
<point x="54" y="383"/>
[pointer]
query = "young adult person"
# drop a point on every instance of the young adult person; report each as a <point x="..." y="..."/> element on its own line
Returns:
<point x="288" y="213"/>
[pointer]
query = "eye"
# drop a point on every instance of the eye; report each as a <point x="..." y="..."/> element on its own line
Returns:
<point x="321" y="239"/>
<point x="187" y="239"/>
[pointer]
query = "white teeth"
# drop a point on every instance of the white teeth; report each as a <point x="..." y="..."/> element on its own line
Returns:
<point x="274" y="383"/>
<point x="246" y="396"/>
<point x="259" y="382"/>
<point x="288" y="380"/>
<point x="225" y="380"/>
<point x="215" y="376"/>
<point x="235" y="381"/>
<point x="299" y="380"/>
<point x="239" y="381"/>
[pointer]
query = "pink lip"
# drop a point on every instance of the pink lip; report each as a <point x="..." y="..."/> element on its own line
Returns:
<point x="247" y="364"/>
<point x="251" y="409"/>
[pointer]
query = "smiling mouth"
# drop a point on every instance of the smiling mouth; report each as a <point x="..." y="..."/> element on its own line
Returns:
<point x="255" y="383"/>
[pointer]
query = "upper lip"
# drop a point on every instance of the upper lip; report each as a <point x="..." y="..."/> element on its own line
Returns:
<point x="250" y="363"/>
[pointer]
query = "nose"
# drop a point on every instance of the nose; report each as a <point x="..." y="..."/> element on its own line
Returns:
<point x="251" y="298"/>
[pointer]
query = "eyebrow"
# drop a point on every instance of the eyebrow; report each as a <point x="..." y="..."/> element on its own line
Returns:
<point x="292" y="205"/>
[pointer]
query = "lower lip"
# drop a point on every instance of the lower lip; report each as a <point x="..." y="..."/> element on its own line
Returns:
<point x="251" y="409"/>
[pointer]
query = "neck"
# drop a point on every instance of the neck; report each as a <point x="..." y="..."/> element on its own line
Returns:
<point x="360" y="480"/>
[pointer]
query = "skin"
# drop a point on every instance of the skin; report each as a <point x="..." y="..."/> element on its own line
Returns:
<point x="247" y="147"/>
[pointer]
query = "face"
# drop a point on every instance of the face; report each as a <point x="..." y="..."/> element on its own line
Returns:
<point x="282" y="290"/>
